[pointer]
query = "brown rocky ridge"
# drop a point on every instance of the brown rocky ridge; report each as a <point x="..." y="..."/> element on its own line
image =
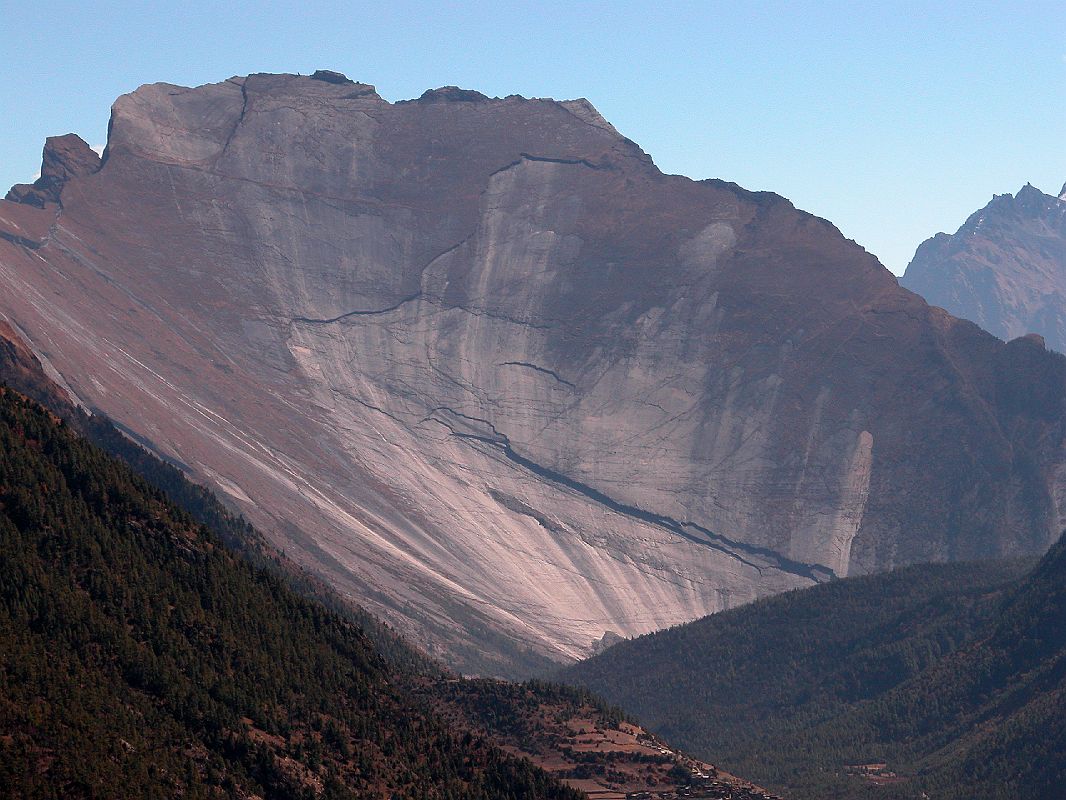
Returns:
<point x="484" y="367"/>
<point x="65" y="157"/>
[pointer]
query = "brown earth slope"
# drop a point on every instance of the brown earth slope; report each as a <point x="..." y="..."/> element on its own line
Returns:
<point x="487" y="369"/>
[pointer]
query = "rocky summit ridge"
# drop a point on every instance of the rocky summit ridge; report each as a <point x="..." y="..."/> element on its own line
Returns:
<point x="479" y="363"/>
<point x="65" y="157"/>
<point x="1005" y="267"/>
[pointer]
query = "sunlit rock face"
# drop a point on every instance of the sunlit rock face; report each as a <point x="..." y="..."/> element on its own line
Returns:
<point x="493" y="374"/>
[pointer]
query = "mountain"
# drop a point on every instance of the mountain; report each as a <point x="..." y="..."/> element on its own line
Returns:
<point x="21" y="370"/>
<point x="141" y="658"/>
<point x="80" y="637"/>
<point x="485" y="369"/>
<point x="65" y="157"/>
<point x="1004" y="269"/>
<point x="938" y="681"/>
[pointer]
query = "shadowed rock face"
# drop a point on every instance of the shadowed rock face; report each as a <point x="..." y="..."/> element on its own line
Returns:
<point x="485" y="367"/>
<point x="1005" y="268"/>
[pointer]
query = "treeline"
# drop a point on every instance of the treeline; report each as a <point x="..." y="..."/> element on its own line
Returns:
<point x="139" y="657"/>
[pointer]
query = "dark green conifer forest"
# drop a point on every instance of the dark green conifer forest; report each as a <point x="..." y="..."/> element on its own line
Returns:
<point x="953" y="676"/>
<point x="141" y="657"/>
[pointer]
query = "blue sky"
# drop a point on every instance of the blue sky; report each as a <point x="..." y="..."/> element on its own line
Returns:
<point x="893" y="120"/>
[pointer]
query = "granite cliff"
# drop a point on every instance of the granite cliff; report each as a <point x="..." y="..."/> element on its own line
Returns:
<point x="487" y="369"/>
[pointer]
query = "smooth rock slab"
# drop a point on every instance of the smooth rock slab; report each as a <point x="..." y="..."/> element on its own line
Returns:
<point x="487" y="369"/>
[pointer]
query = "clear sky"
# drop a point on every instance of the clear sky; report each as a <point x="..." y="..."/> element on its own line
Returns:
<point x="892" y="120"/>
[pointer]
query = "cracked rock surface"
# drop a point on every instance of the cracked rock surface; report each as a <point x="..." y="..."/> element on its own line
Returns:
<point x="482" y="365"/>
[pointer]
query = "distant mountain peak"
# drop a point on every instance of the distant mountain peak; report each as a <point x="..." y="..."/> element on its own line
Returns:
<point x="1033" y="200"/>
<point x="1005" y="267"/>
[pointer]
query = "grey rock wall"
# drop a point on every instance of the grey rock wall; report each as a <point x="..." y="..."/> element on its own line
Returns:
<point x="488" y="370"/>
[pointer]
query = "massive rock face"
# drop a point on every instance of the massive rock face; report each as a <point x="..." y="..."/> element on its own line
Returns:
<point x="485" y="367"/>
<point x="1005" y="268"/>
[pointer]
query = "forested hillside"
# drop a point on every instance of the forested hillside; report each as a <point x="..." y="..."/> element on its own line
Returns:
<point x="537" y="721"/>
<point x="947" y="680"/>
<point x="139" y="657"/>
<point x="21" y="370"/>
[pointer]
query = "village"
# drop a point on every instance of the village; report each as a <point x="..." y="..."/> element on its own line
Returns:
<point x="629" y="763"/>
<point x="587" y="745"/>
<point x="875" y="772"/>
